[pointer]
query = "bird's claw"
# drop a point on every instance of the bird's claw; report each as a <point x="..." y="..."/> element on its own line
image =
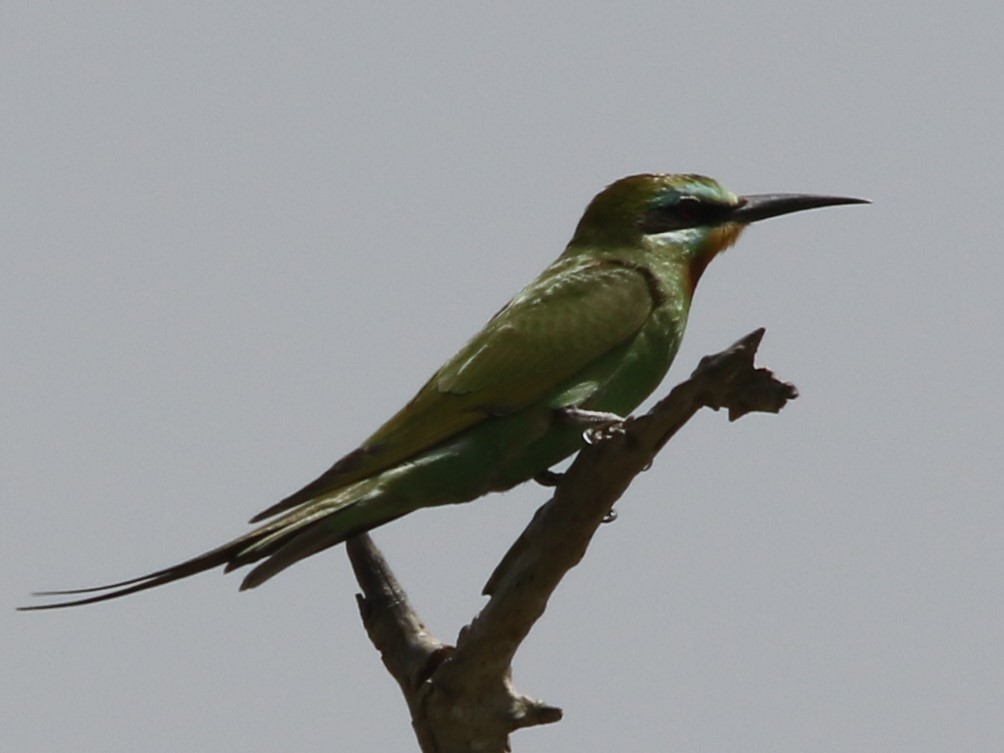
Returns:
<point x="599" y="425"/>
<point x="596" y="434"/>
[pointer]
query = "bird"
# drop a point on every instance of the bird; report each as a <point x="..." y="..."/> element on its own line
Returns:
<point x="580" y="346"/>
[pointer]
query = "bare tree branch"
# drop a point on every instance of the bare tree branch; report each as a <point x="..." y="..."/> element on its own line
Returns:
<point x="462" y="699"/>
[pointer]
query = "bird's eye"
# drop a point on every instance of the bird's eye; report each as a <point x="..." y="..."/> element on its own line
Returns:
<point x="688" y="208"/>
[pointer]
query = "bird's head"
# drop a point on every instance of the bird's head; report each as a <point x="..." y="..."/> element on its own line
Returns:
<point x="693" y="214"/>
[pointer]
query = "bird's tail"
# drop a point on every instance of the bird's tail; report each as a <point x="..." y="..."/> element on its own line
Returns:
<point x="306" y="530"/>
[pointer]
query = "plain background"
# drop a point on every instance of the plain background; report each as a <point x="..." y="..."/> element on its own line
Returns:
<point x="236" y="237"/>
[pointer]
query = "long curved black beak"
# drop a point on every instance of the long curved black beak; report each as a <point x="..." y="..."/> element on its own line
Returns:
<point x="762" y="206"/>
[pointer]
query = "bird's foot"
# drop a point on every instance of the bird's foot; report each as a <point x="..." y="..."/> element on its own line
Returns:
<point x="597" y="434"/>
<point x="599" y="425"/>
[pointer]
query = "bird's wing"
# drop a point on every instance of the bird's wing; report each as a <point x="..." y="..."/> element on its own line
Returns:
<point x="551" y="331"/>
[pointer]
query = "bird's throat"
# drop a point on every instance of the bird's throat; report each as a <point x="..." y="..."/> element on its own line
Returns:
<point x="717" y="240"/>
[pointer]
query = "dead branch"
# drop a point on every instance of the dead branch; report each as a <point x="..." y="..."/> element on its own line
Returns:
<point x="461" y="698"/>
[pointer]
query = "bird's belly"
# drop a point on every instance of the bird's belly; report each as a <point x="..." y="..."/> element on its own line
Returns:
<point x="494" y="456"/>
<point x="639" y="372"/>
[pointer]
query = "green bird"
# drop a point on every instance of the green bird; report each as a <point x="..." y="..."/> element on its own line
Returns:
<point x="582" y="345"/>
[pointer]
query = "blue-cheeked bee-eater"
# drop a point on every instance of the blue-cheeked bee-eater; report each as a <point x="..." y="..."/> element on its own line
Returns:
<point x="590" y="338"/>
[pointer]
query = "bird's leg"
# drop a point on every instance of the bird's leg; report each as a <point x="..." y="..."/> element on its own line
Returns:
<point x="584" y="417"/>
<point x="598" y="425"/>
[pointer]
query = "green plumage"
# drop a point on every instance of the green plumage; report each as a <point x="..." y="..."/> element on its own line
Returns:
<point x="596" y="331"/>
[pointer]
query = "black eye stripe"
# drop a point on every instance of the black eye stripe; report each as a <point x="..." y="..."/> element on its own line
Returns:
<point x="682" y="212"/>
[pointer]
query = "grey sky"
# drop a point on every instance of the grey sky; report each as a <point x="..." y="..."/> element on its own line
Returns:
<point x="235" y="240"/>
